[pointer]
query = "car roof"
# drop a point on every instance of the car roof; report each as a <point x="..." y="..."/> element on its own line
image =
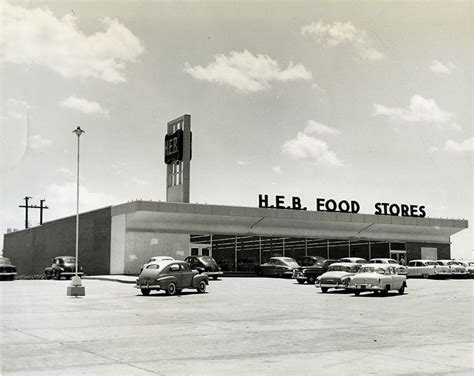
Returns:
<point x="384" y="266"/>
<point x="65" y="257"/>
<point x="422" y="260"/>
<point x="345" y="264"/>
<point x="382" y="258"/>
<point x="166" y="262"/>
<point x="352" y="258"/>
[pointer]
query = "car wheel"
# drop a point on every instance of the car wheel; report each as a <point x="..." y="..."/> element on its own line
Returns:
<point x="57" y="275"/>
<point x="385" y="291"/>
<point x="47" y="275"/>
<point x="202" y="287"/>
<point x="301" y="281"/>
<point x="311" y="280"/>
<point x="356" y="293"/>
<point x="324" y="290"/>
<point x="145" y="292"/>
<point x="215" y="277"/>
<point x="425" y="276"/>
<point x="171" y="290"/>
<point x="402" y="290"/>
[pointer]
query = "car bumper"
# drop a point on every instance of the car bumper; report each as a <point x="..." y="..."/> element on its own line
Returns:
<point x="215" y="274"/>
<point x="331" y="285"/>
<point x="365" y="288"/>
<point x="146" y="285"/>
<point x="7" y="274"/>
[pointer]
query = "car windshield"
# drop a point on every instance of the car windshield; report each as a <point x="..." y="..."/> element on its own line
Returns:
<point x="433" y="263"/>
<point x="290" y="261"/>
<point x="339" y="268"/>
<point x="392" y="262"/>
<point x="153" y="266"/>
<point x="70" y="260"/>
<point x="207" y="259"/>
<point x="372" y="269"/>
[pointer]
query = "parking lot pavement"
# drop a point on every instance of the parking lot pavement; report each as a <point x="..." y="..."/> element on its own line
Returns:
<point x="257" y="326"/>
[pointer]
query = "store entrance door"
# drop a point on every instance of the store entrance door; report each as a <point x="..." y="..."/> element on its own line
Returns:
<point x="398" y="256"/>
<point x="201" y="250"/>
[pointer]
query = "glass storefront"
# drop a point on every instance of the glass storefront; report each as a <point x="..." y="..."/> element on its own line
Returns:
<point x="244" y="253"/>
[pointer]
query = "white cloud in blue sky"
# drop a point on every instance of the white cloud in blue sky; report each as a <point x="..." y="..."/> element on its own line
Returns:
<point x="246" y="72"/>
<point x="420" y="110"/>
<point x="36" y="36"/>
<point x="343" y="33"/>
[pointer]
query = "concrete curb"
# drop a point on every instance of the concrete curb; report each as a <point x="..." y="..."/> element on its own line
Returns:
<point x="111" y="279"/>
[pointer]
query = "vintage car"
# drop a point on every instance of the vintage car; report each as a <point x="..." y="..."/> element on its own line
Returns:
<point x="378" y="278"/>
<point x="358" y="260"/>
<point x="337" y="276"/>
<point x="278" y="267"/>
<point x="456" y="268"/>
<point x="311" y="273"/>
<point x="403" y="270"/>
<point x="205" y="264"/>
<point x="63" y="266"/>
<point x="469" y="265"/>
<point x="171" y="277"/>
<point x="427" y="269"/>
<point x="7" y="270"/>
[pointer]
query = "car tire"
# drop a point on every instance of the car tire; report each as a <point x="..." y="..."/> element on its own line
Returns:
<point x="324" y="290"/>
<point x="425" y="276"/>
<point x="311" y="280"/>
<point x="171" y="290"/>
<point x="202" y="287"/>
<point x="385" y="291"/>
<point x="47" y="276"/>
<point x="145" y="292"/>
<point x="356" y="293"/>
<point x="401" y="291"/>
<point x="301" y="281"/>
<point x="57" y="275"/>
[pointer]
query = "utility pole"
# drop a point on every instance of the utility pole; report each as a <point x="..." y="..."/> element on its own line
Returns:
<point x="26" y="206"/>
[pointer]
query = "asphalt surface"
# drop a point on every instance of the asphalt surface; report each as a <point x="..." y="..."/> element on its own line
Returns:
<point x="251" y="326"/>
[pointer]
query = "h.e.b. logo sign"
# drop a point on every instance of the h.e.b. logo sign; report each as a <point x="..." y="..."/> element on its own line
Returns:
<point x="174" y="147"/>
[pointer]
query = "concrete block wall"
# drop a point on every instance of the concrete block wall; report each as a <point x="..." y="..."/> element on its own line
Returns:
<point x="33" y="249"/>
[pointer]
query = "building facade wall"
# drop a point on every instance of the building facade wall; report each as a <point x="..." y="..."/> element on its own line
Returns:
<point x="414" y="250"/>
<point x="33" y="249"/>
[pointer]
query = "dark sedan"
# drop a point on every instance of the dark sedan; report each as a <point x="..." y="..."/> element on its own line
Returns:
<point x="310" y="273"/>
<point x="278" y="267"/>
<point x="205" y="264"/>
<point x="172" y="277"/>
<point x="7" y="270"/>
<point x="63" y="266"/>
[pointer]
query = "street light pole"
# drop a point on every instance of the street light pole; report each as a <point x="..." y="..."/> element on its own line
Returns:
<point x="76" y="288"/>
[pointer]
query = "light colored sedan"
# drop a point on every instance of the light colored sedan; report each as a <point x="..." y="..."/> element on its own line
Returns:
<point x="456" y="268"/>
<point x="469" y="265"/>
<point x="337" y="276"/>
<point x="400" y="269"/>
<point x="378" y="278"/>
<point x="427" y="269"/>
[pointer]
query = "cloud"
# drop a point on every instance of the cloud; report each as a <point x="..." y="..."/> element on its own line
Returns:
<point x="17" y="108"/>
<point x="37" y="36"/>
<point x="342" y="33"/>
<point x="85" y="106"/>
<point x="276" y="169"/>
<point x="466" y="146"/>
<point x="308" y="147"/>
<point x="243" y="163"/>
<point x="247" y="73"/>
<point x="36" y="142"/>
<point x="421" y="110"/>
<point x="438" y="67"/>
<point x="315" y="127"/>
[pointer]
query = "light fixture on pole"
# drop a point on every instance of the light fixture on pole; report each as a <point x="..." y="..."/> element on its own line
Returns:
<point x="76" y="288"/>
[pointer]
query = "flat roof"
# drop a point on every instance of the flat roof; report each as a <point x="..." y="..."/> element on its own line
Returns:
<point x="238" y="220"/>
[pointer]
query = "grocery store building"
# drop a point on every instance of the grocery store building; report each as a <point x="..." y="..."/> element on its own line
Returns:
<point x="120" y="239"/>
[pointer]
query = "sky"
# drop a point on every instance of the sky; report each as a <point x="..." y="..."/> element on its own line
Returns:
<point x="358" y="100"/>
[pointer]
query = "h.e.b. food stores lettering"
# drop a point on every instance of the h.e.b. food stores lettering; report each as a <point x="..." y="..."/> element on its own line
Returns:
<point x="343" y="206"/>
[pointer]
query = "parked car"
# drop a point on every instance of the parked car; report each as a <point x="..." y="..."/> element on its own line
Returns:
<point x="337" y="276"/>
<point x="310" y="260"/>
<point x="403" y="270"/>
<point x="63" y="266"/>
<point x="278" y="267"/>
<point x="469" y="265"/>
<point x="205" y="264"/>
<point x="172" y="277"/>
<point x="378" y="278"/>
<point x="427" y="269"/>
<point x="309" y="274"/>
<point x="456" y="268"/>
<point x="7" y="270"/>
<point x="358" y="260"/>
